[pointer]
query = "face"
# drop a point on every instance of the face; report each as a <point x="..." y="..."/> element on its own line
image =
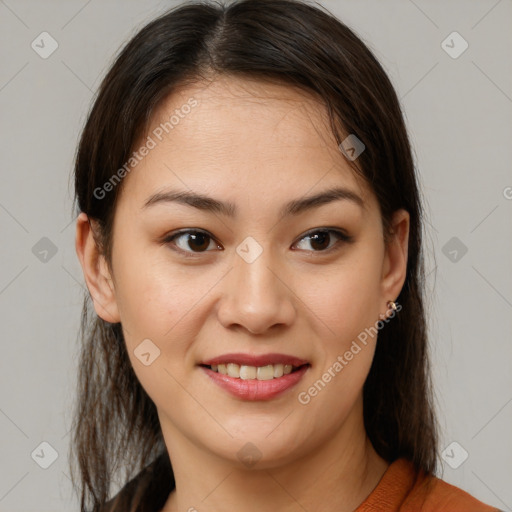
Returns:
<point x="255" y="276"/>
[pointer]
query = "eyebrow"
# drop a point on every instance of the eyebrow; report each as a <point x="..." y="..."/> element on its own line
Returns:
<point x="295" y="207"/>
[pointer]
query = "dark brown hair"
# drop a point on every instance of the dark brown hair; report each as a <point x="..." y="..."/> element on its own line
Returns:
<point x="296" y="44"/>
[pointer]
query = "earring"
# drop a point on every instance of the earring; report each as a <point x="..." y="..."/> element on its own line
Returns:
<point x="391" y="305"/>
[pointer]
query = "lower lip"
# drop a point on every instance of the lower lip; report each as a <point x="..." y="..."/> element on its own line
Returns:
<point x="253" y="389"/>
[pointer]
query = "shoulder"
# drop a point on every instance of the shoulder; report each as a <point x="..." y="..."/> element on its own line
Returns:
<point x="403" y="489"/>
<point x="147" y="491"/>
<point x="432" y="494"/>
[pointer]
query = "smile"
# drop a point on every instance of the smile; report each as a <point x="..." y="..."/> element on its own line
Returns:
<point x="255" y="383"/>
<point x="245" y="372"/>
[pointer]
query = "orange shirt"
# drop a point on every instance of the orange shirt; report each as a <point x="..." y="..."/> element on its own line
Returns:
<point x="399" y="491"/>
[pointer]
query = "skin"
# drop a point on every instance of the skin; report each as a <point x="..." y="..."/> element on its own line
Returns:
<point x="257" y="145"/>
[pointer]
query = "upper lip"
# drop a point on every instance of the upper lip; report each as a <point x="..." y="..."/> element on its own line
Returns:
<point x="255" y="360"/>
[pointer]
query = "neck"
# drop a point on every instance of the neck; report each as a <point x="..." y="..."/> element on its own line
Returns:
<point x="338" y="475"/>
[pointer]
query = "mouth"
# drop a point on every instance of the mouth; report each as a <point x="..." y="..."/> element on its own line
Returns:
<point x="247" y="372"/>
<point x="249" y="377"/>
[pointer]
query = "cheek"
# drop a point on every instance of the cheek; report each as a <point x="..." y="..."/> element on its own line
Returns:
<point x="165" y="304"/>
<point x="348" y="303"/>
<point x="147" y="298"/>
<point x="348" y="299"/>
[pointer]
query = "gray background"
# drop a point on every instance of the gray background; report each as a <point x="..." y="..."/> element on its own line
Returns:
<point x="458" y="113"/>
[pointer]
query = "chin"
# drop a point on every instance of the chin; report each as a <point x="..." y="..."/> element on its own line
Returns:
<point x="252" y="448"/>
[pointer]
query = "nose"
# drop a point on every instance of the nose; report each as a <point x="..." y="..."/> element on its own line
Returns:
<point x="257" y="296"/>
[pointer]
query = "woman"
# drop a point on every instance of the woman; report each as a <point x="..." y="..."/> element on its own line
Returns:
<point x="250" y="234"/>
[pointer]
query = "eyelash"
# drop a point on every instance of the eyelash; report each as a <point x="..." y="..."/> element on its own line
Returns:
<point x="343" y="238"/>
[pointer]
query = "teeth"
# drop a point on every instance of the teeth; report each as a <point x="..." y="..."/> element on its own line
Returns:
<point x="233" y="370"/>
<point x="278" y="370"/>
<point x="268" y="372"/>
<point x="248" y="372"/>
<point x="265" y="372"/>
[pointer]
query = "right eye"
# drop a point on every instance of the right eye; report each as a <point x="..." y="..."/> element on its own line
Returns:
<point x="191" y="242"/>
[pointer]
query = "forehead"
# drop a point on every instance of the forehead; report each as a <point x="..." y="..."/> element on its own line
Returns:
<point x="234" y="113"/>
<point x="240" y="134"/>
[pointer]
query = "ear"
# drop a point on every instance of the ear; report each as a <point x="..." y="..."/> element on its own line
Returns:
<point x="394" y="267"/>
<point x="95" y="269"/>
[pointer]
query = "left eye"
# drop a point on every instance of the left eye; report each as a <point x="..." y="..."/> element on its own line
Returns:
<point x="319" y="239"/>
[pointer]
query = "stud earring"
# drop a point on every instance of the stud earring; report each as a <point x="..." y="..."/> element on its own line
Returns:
<point x="391" y="305"/>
